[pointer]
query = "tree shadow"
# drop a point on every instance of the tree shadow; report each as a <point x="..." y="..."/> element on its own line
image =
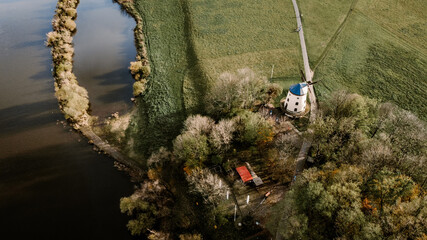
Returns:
<point x="120" y="78"/>
<point x="28" y="116"/>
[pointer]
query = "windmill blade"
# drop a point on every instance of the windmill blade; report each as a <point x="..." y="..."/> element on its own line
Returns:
<point x="302" y="76"/>
<point x="315" y="82"/>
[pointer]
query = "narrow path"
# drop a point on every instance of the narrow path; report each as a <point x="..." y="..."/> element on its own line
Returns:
<point x="302" y="156"/>
<point x="307" y="69"/>
<point x="108" y="149"/>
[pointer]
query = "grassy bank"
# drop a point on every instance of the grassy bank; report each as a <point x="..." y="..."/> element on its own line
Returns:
<point x="376" y="55"/>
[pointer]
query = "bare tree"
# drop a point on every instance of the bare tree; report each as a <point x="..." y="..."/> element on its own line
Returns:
<point x="209" y="185"/>
<point x="222" y="134"/>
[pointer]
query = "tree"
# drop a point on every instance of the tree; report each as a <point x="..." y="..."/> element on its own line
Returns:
<point x="159" y="158"/>
<point x="197" y="124"/>
<point x="222" y="135"/>
<point x="254" y="129"/>
<point x="208" y="185"/>
<point x="148" y="205"/>
<point x="387" y="187"/>
<point x="241" y="90"/>
<point x="193" y="149"/>
<point x="324" y="204"/>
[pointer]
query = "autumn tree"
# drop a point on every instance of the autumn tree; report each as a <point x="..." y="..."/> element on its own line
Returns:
<point x="242" y="90"/>
<point x="222" y="135"/>
<point x="149" y="205"/>
<point x="254" y="129"/>
<point x="208" y="185"/>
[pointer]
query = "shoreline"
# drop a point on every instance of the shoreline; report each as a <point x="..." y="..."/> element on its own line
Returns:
<point x="72" y="98"/>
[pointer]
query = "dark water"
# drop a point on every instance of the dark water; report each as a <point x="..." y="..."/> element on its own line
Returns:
<point x="52" y="185"/>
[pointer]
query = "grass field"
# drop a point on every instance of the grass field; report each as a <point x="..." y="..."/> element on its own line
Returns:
<point x="229" y="35"/>
<point x="377" y="55"/>
<point x="320" y="20"/>
<point x="161" y="110"/>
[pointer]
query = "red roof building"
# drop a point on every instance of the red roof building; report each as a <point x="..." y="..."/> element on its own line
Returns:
<point x="244" y="174"/>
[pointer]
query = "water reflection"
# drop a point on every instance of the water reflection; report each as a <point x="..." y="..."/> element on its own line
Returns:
<point x="103" y="50"/>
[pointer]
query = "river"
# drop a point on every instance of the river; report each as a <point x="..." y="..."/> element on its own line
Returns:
<point x="52" y="184"/>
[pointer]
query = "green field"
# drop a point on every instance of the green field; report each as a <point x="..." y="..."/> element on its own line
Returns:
<point x="229" y="35"/>
<point x="320" y="21"/>
<point x="380" y="52"/>
<point x="161" y="110"/>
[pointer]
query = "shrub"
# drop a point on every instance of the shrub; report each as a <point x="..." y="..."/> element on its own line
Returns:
<point x="52" y="38"/>
<point x="63" y="67"/>
<point x="71" y="12"/>
<point x="139" y="70"/>
<point x="139" y="88"/>
<point x="146" y="70"/>
<point x="69" y="23"/>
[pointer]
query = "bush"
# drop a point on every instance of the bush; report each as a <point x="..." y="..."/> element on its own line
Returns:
<point x="145" y="70"/>
<point x="71" y="12"/>
<point x="69" y="23"/>
<point x="139" y="88"/>
<point x="135" y="67"/>
<point x="52" y="38"/>
<point x="139" y="70"/>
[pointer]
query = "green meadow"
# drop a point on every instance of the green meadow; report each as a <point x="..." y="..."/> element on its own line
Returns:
<point x="380" y="50"/>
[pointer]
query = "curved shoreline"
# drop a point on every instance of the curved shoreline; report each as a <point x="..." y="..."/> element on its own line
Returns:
<point x="73" y="99"/>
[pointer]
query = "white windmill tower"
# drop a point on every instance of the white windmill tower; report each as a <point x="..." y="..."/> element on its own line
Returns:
<point x="296" y="100"/>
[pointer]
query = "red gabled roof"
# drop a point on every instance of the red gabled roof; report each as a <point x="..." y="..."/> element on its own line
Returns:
<point x="244" y="173"/>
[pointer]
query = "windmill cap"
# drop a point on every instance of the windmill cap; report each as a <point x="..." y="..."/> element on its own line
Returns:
<point x="298" y="89"/>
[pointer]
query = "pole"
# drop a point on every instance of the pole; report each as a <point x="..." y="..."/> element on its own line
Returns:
<point x="235" y="211"/>
<point x="272" y="70"/>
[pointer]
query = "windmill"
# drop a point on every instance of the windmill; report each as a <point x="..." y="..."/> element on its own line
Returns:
<point x="296" y="100"/>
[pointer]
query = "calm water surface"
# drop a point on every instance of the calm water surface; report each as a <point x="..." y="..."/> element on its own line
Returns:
<point x="52" y="185"/>
<point x="104" y="46"/>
